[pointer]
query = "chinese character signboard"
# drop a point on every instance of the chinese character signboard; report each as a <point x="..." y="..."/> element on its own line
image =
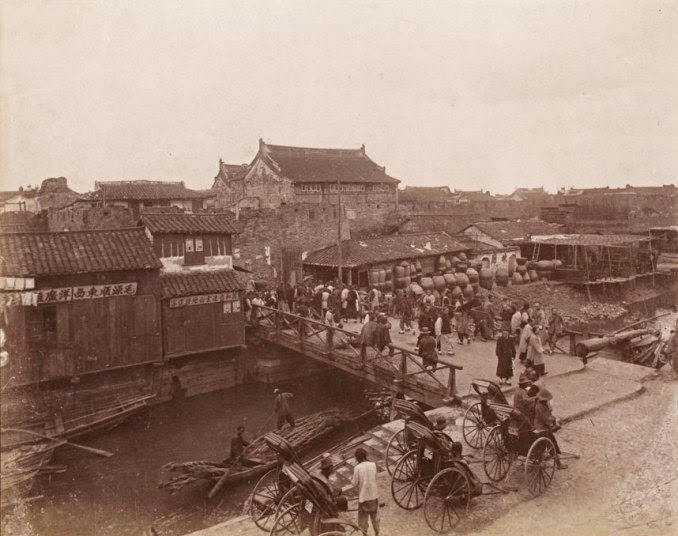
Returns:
<point x="202" y="299"/>
<point x="87" y="292"/>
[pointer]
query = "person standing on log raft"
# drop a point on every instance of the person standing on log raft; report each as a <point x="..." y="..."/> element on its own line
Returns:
<point x="281" y="407"/>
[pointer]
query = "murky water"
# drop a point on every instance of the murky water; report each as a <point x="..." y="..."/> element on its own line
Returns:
<point x="119" y="495"/>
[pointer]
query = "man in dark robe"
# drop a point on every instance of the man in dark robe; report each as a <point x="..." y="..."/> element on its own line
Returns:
<point x="505" y="352"/>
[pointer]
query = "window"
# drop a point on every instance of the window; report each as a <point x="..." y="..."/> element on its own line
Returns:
<point x="189" y="245"/>
<point x="311" y="188"/>
<point x="198" y="243"/>
<point x="347" y="187"/>
<point x="381" y="188"/>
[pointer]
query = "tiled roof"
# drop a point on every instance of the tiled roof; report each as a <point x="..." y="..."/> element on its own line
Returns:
<point x="426" y="193"/>
<point x="300" y="164"/>
<point x="22" y="222"/>
<point x="176" y="284"/>
<point x="142" y="189"/>
<point x="516" y="230"/>
<point x="591" y="239"/>
<point x="188" y="223"/>
<point x="76" y="252"/>
<point x="386" y="248"/>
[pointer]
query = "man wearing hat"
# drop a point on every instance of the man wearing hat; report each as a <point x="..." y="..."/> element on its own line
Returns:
<point x="544" y="421"/>
<point x="427" y="349"/>
<point x="522" y="400"/>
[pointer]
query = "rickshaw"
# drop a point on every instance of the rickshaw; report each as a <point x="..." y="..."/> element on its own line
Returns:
<point x="434" y="474"/>
<point x="514" y="439"/>
<point x="400" y="442"/>
<point x="272" y="486"/>
<point x="479" y="417"/>
<point x="310" y="506"/>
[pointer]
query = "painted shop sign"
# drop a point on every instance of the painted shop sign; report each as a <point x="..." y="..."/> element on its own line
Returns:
<point x="87" y="292"/>
<point x="202" y="299"/>
<point x="67" y="294"/>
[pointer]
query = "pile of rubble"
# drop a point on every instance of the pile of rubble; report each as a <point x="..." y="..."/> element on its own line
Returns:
<point x="607" y="311"/>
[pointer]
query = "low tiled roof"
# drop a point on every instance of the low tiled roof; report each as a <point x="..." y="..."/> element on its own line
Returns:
<point x="158" y="223"/>
<point x="386" y="248"/>
<point x="76" y="252"/>
<point x="426" y="193"/>
<point x="22" y="222"/>
<point x="176" y="284"/>
<point x="142" y="189"/>
<point x="591" y="239"/>
<point x="301" y="164"/>
<point x="516" y="230"/>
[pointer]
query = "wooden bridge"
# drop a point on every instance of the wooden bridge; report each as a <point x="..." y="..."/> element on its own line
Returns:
<point x="394" y="367"/>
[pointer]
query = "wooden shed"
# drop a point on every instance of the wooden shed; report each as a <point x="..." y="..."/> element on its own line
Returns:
<point x="202" y="312"/>
<point x="78" y="302"/>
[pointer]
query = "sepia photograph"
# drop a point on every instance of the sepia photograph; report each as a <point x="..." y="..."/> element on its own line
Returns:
<point x="339" y="267"/>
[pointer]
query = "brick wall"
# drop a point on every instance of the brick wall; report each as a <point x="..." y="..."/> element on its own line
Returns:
<point x="271" y="241"/>
<point x="79" y="217"/>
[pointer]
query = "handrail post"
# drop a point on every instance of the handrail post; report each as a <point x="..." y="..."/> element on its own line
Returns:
<point x="329" y="338"/>
<point x="403" y="364"/>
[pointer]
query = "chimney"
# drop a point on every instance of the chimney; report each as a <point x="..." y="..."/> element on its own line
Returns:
<point x="261" y="144"/>
<point x="362" y="148"/>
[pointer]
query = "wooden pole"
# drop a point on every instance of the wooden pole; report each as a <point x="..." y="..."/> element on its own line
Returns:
<point x="339" y="252"/>
<point x="98" y="452"/>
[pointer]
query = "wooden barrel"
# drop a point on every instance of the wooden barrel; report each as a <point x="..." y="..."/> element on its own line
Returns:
<point x="526" y="278"/>
<point x="521" y="269"/>
<point x="557" y="263"/>
<point x="518" y="279"/>
<point x="382" y="276"/>
<point x="461" y="279"/>
<point x="389" y="274"/>
<point x="450" y="280"/>
<point x="532" y="274"/>
<point x="522" y="261"/>
<point x="373" y="276"/>
<point x="427" y="283"/>
<point x="414" y="287"/>
<point x="439" y="282"/>
<point x="544" y="265"/>
<point x="399" y="272"/>
<point x="457" y="292"/>
<point x="472" y="275"/>
<point x="417" y="265"/>
<point x="461" y="267"/>
<point x="462" y="256"/>
<point x="468" y="292"/>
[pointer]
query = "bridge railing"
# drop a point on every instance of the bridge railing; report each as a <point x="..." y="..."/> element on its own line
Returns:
<point x="334" y="342"/>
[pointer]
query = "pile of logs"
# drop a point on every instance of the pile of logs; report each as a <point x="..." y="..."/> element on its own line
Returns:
<point x="308" y="430"/>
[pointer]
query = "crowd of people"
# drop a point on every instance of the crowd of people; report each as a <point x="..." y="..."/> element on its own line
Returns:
<point x="527" y="332"/>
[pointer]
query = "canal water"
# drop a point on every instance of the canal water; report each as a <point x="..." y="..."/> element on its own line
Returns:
<point x="120" y="495"/>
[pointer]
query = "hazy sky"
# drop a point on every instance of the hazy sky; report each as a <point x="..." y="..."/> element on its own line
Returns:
<point x="469" y="94"/>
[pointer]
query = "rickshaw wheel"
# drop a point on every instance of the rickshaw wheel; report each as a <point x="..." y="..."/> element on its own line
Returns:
<point x="447" y="497"/>
<point x="408" y="486"/>
<point x="540" y="465"/>
<point x="496" y="457"/>
<point x="473" y="426"/>
<point x="397" y="446"/>
<point x="289" y="521"/>
<point x="292" y="498"/>
<point x="264" y="499"/>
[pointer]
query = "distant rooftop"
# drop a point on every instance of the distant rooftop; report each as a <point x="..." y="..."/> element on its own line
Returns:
<point x="145" y="190"/>
<point x="305" y="164"/>
<point x="207" y="223"/>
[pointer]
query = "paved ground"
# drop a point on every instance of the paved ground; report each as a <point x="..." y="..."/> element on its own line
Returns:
<point x="624" y="483"/>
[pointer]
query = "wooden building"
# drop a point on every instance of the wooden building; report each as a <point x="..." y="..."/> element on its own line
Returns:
<point x="183" y="240"/>
<point x="502" y="233"/>
<point x="358" y="257"/>
<point x="202" y="312"/>
<point x="79" y="303"/>
<point x="139" y="194"/>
